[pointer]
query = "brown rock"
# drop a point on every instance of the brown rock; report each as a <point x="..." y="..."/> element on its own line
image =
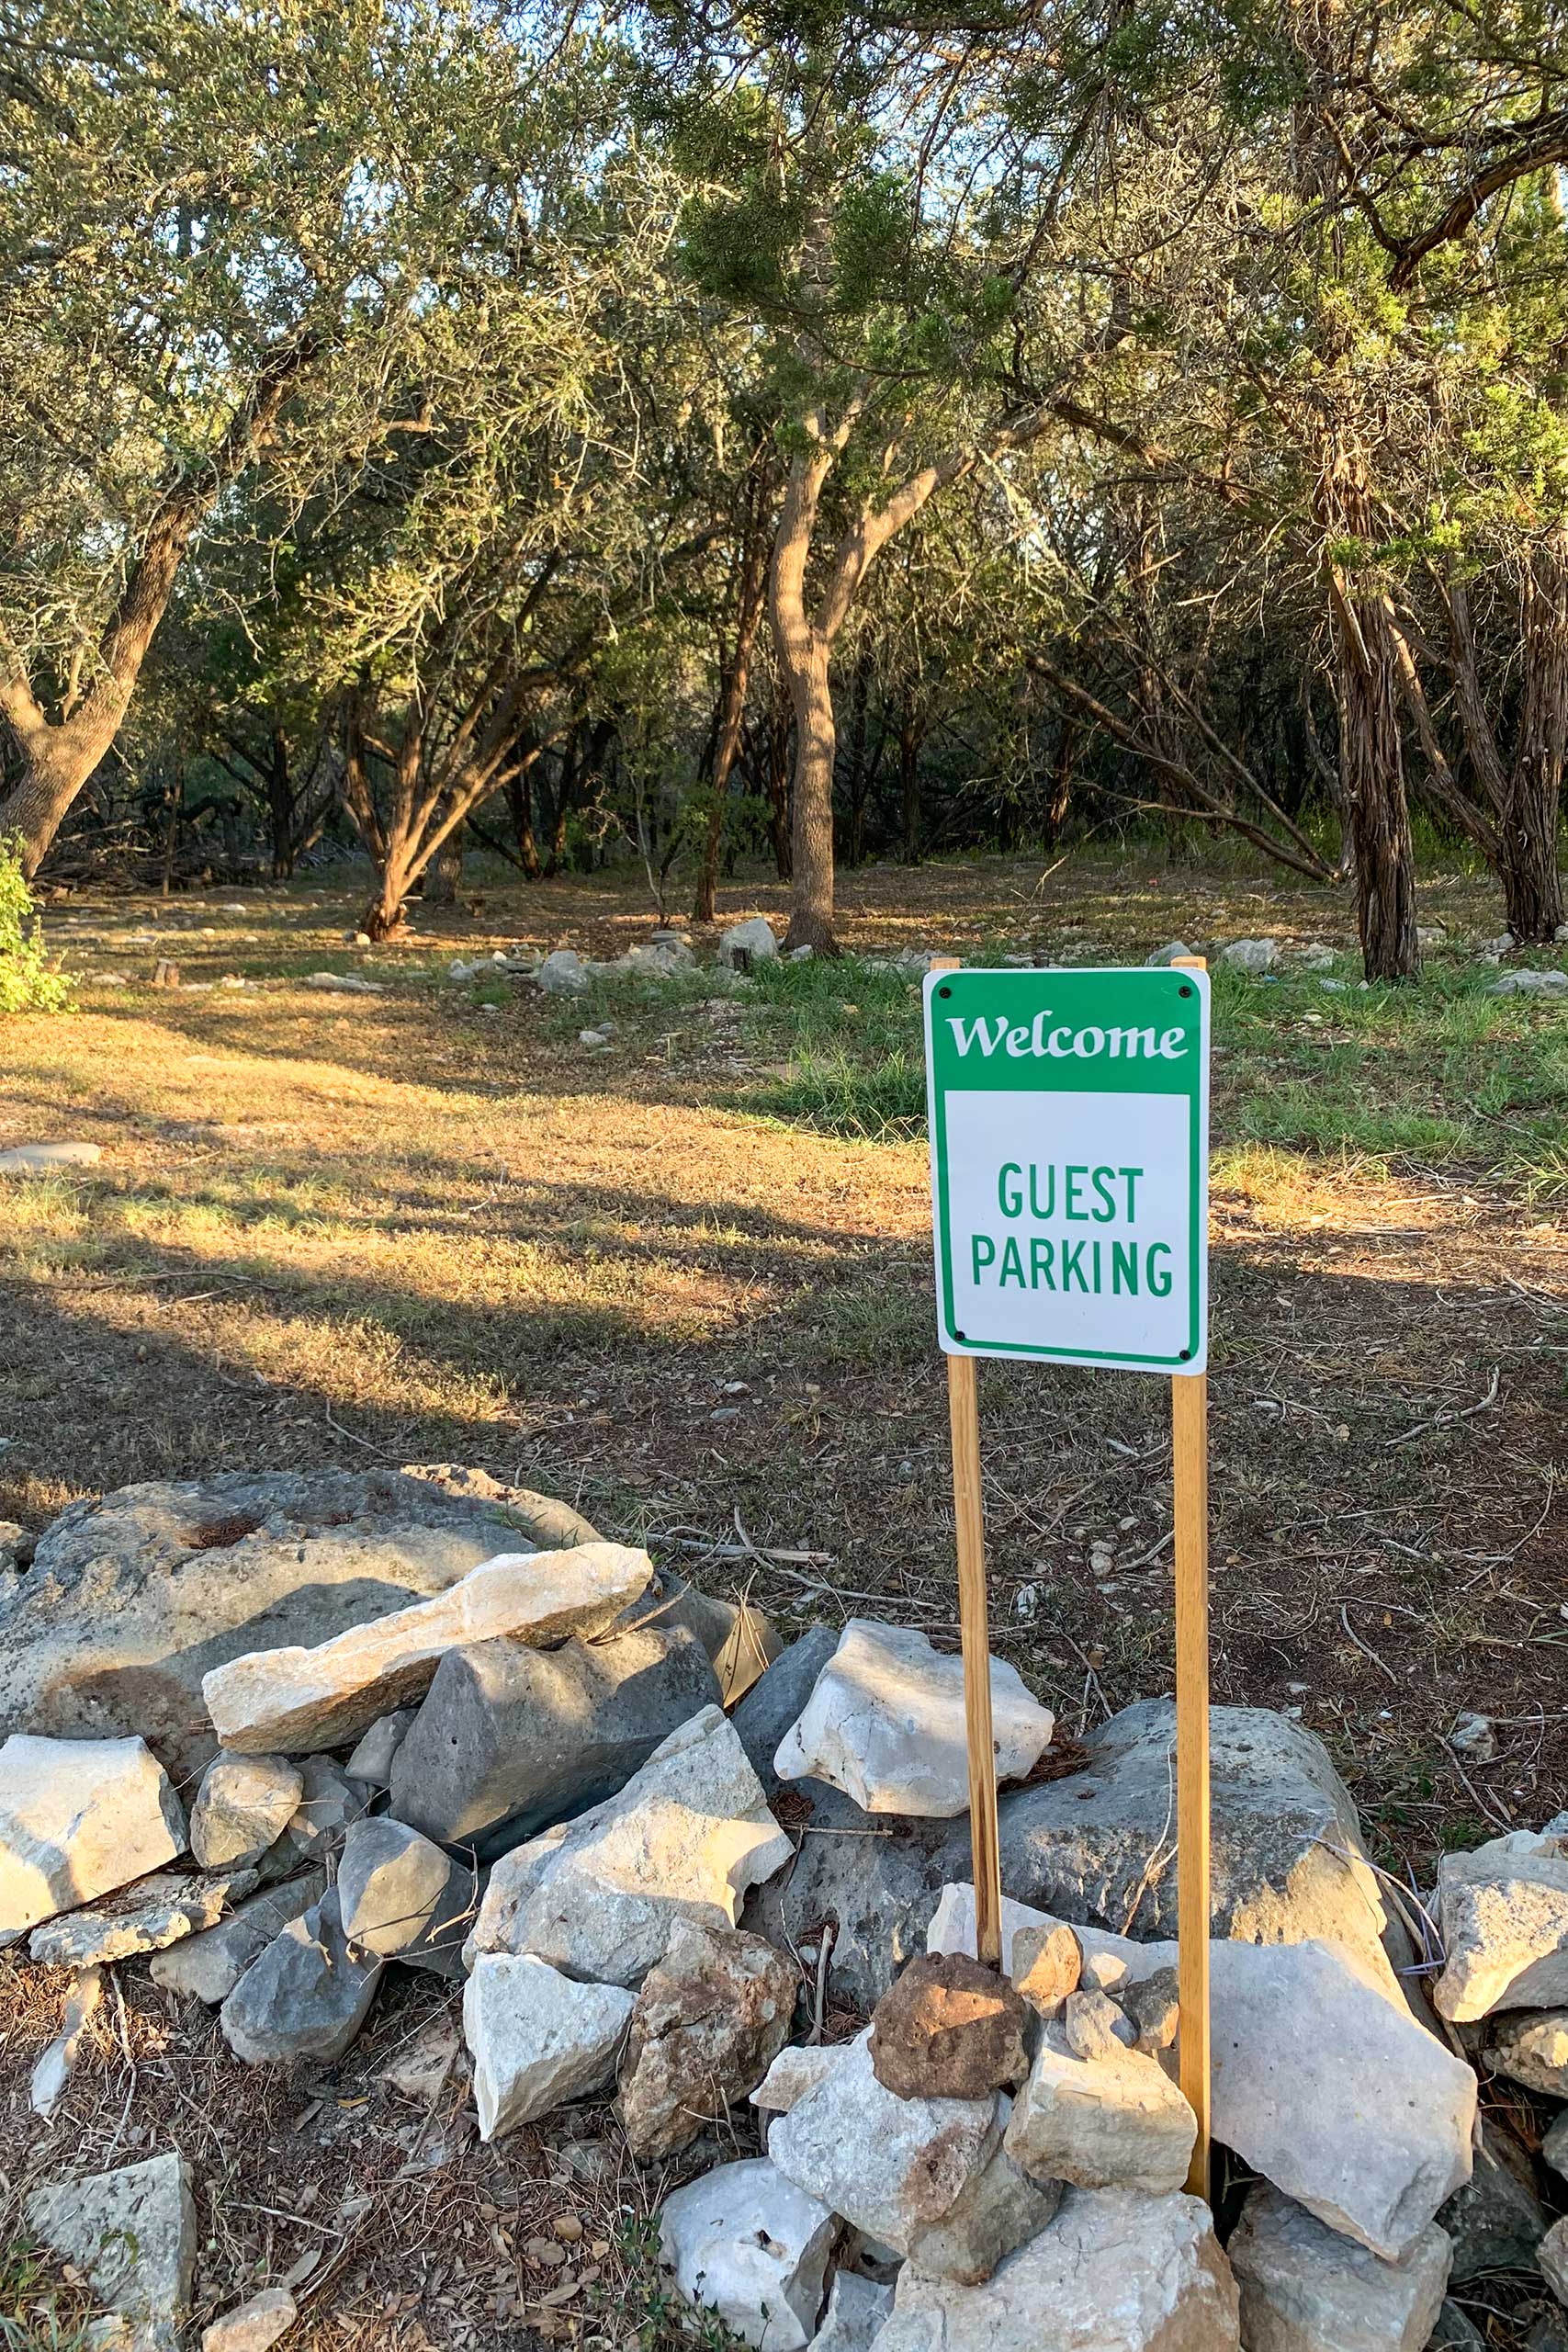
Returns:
<point x="949" y="2028"/>
<point x="1047" y="1963"/>
<point x="710" y="2020"/>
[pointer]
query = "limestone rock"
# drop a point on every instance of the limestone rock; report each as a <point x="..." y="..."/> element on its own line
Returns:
<point x="746" y="2243"/>
<point x="1096" y="1847"/>
<point x="1456" y="2332"/>
<point x="1153" y="2008"/>
<point x="1114" y="2272"/>
<point x="551" y="1525"/>
<point x="562" y="973"/>
<point x="915" y="2174"/>
<point x="147" y="1916"/>
<point x="1531" y="2046"/>
<point x="1092" y="2025"/>
<point x="1551" y="2260"/>
<point x="793" y="2072"/>
<point x="298" y="1700"/>
<point x="1046" y="1967"/>
<point x="710" y="2020"/>
<point x="1503" y="1915"/>
<point x="599" y="1896"/>
<point x="536" y="2038"/>
<point x="243" y="1805"/>
<point x="1110" y="2121"/>
<point x="1554" y="2147"/>
<point x="753" y="938"/>
<point x="132" y="1599"/>
<point x="306" y="1996"/>
<point x="515" y="1736"/>
<point x="329" y="1806"/>
<point x="132" y="2234"/>
<point x="371" y="1762"/>
<point x="206" y="1967"/>
<point x="400" y="1898"/>
<point x="1175" y="951"/>
<point x="255" y="2326"/>
<point x="52" y="2071"/>
<point x="1253" y="957"/>
<point x="37" y="1158"/>
<point x="1305" y="2289"/>
<point x="740" y="1641"/>
<point x="78" y="1817"/>
<point x="949" y="2028"/>
<point x="884" y="1723"/>
<point x="775" y="1702"/>
<point x="857" y="2310"/>
<point x="1496" y="2220"/>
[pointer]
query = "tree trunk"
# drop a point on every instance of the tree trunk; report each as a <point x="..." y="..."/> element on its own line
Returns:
<point x="1532" y="884"/>
<point x="54" y="772"/>
<point x="776" y="780"/>
<point x="280" y="805"/>
<point x="910" y="784"/>
<point x="858" y="779"/>
<point x="175" y="801"/>
<point x="731" y="712"/>
<point x="815" y="741"/>
<point x="1059" y="792"/>
<point x="520" y="807"/>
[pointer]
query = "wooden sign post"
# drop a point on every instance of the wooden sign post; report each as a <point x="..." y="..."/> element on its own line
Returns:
<point x="1069" y="1137"/>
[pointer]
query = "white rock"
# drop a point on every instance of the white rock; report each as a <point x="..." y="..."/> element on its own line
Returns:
<point x="1113" y="2272"/>
<point x="51" y="2073"/>
<point x="747" y="2244"/>
<point x="562" y="973"/>
<point x="536" y="2038"/>
<point x="1116" y="2121"/>
<point x="754" y="937"/>
<point x="33" y="1159"/>
<point x="857" y="2310"/>
<point x="1306" y="2289"/>
<point x="243" y="1805"/>
<point x="1252" y="955"/>
<point x="793" y="2072"/>
<point x="1316" y="956"/>
<point x="1503" y="1915"/>
<point x="1473" y="1734"/>
<point x="297" y="1701"/>
<point x="146" y="1916"/>
<point x="918" y="2174"/>
<point x="686" y="1837"/>
<point x="1175" y="951"/>
<point x="592" y="1039"/>
<point x="1532" y="2049"/>
<point x="885" y="1725"/>
<point x="133" y="2233"/>
<point x="1322" y="2080"/>
<point x="255" y="2326"/>
<point x="342" y="984"/>
<point x="78" y="1817"/>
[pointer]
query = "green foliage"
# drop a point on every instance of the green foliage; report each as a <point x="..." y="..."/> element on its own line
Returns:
<point x="29" y="983"/>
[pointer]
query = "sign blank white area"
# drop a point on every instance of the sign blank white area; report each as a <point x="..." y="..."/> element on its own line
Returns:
<point x="985" y="1130"/>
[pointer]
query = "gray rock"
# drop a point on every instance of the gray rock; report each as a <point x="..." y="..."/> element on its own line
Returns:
<point x="686" y="1837"/>
<point x="857" y="2309"/>
<point x="1305" y="2289"/>
<point x="516" y="1736"/>
<point x="1551" y="2260"/>
<point x="77" y="1819"/>
<point x="1475" y="1736"/>
<point x="1496" y="2220"/>
<point x="400" y="1898"/>
<point x="741" y="1642"/>
<point x="132" y="2234"/>
<point x="1153" y="2010"/>
<point x="37" y="1159"/>
<point x="562" y="973"/>
<point x="52" y="2071"/>
<point x="243" y="1805"/>
<point x="1113" y="2121"/>
<point x="1250" y="955"/>
<point x="147" y="1916"/>
<point x="306" y="1996"/>
<point x="329" y="1805"/>
<point x="1098" y="1848"/>
<point x="747" y="2244"/>
<point x="915" y="2173"/>
<point x="536" y="2038"/>
<point x="548" y="1523"/>
<point x="371" y="1762"/>
<point x="1114" y="2272"/>
<point x="1531" y="984"/>
<point x="1503" y="1915"/>
<point x="753" y="938"/>
<point x="710" y="2020"/>
<point x="1175" y="951"/>
<point x="886" y="1724"/>
<point x="776" y="1701"/>
<point x="131" y="1599"/>
<point x="1554" y="2147"/>
<point x="207" y="1967"/>
<point x="1093" y="2027"/>
<point x="297" y="1700"/>
<point x="343" y="984"/>
<point x="1455" y="2332"/>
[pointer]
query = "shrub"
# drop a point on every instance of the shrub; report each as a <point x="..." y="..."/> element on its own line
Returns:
<point x="26" y="982"/>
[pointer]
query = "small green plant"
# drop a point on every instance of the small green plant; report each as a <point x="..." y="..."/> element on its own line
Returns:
<point x="28" y="984"/>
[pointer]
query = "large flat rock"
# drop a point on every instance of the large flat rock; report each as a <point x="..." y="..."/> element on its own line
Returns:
<point x="297" y="1701"/>
<point x="131" y="1599"/>
<point x="1305" y="2289"/>
<point x="1098" y="1847"/>
<point x="79" y="1817"/>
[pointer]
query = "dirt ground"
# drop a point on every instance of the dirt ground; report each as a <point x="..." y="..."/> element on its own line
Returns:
<point x="409" y="1228"/>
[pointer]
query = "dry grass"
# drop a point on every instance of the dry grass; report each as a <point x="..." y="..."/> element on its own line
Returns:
<point x="405" y="1227"/>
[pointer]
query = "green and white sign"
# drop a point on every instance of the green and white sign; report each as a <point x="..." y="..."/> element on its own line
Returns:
<point x="1069" y="1131"/>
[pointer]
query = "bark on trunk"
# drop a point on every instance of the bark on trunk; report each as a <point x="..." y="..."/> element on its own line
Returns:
<point x="1059" y="792"/>
<point x="54" y="772"/>
<point x="732" y="711"/>
<point x="909" y="785"/>
<point x="1532" y="883"/>
<point x="815" y="741"/>
<point x="280" y="805"/>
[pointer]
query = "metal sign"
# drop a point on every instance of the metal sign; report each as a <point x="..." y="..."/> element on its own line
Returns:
<point x="1069" y="1134"/>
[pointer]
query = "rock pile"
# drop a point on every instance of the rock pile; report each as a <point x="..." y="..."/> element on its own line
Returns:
<point x="445" y="1727"/>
